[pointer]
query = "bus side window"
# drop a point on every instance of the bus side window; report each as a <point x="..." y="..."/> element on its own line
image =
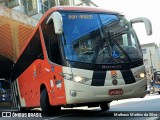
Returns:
<point x="51" y="43"/>
<point x="34" y="48"/>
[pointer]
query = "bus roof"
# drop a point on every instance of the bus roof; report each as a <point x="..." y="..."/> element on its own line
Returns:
<point x="81" y="8"/>
<point x="76" y="8"/>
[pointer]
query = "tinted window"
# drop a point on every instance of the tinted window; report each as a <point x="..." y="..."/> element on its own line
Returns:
<point x="51" y="43"/>
<point x="32" y="52"/>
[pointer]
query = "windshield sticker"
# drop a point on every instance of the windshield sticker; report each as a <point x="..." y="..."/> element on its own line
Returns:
<point x="80" y="17"/>
<point x="122" y="56"/>
<point x="115" y="54"/>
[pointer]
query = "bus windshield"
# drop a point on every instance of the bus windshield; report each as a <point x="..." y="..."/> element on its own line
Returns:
<point x="99" y="38"/>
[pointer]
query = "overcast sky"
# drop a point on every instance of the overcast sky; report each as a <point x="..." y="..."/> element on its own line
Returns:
<point x="137" y="8"/>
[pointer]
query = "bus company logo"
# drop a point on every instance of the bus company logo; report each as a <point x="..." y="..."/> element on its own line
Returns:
<point x="114" y="74"/>
<point x="111" y="66"/>
<point x="16" y="114"/>
<point x="6" y="114"/>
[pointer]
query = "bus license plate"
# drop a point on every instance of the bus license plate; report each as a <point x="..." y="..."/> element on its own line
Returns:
<point x="115" y="92"/>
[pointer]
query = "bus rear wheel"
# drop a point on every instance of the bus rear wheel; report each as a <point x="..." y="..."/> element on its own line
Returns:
<point x="105" y="106"/>
<point x="45" y="105"/>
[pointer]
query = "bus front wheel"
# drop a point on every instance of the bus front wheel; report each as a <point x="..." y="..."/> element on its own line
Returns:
<point x="105" y="106"/>
<point x="45" y="105"/>
<point x="20" y="109"/>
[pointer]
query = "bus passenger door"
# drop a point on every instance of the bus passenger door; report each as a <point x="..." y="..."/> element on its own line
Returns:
<point x="53" y="58"/>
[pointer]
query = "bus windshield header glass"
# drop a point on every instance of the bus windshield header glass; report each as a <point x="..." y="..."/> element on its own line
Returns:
<point x="99" y="38"/>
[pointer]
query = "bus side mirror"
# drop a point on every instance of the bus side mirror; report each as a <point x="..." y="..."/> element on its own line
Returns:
<point x="146" y="22"/>
<point x="56" y="18"/>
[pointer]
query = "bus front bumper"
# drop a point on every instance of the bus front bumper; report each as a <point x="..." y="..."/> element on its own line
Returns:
<point x="80" y="93"/>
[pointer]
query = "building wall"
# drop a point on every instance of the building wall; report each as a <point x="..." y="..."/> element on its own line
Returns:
<point x="150" y="57"/>
<point x="13" y="36"/>
<point x="158" y="58"/>
<point x="15" y="29"/>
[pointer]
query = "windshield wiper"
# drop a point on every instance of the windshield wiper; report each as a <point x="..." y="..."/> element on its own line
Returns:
<point x="109" y="43"/>
<point x="97" y="50"/>
<point x="100" y="43"/>
<point x="125" y="53"/>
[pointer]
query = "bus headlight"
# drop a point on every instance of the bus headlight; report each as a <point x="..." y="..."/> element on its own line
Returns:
<point x="140" y="74"/>
<point x="78" y="79"/>
<point x="75" y="78"/>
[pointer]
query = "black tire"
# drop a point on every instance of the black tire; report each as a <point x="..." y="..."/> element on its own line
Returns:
<point x="105" y="106"/>
<point x="158" y="92"/>
<point x="45" y="105"/>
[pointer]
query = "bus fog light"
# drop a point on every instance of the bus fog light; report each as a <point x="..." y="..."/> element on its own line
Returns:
<point x="73" y="93"/>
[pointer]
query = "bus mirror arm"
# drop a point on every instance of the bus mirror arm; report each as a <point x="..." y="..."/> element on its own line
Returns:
<point x="56" y="18"/>
<point x="146" y="22"/>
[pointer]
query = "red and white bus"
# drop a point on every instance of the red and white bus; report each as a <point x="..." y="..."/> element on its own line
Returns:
<point x="79" y="56"/>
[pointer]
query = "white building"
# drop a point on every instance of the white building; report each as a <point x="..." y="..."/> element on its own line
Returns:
<point x="150" y="57"/>
<point x="158" y="57"/>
